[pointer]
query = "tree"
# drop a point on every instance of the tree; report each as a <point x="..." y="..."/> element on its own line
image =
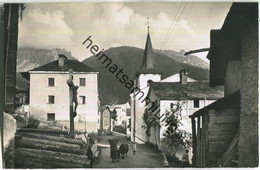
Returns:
<point x="173" y="133"/>
<point x="150" y="120"/>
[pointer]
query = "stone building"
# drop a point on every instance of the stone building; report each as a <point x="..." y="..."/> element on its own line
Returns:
<point x="227" y="134"/>
<point x="49" y="93"/>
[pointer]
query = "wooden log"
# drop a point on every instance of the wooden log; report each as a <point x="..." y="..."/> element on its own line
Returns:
<point x="224" y="112"/>
<point x="51" y="147"/>
<point x="47" y="142"/>
<point x="53" y="156"/>
<point x="53" y="138"/>
<point x="219" y="146"/>
<point x="29" y="162"/>
<point x="227" y="132"/>
<point x="216" y="127"/>
<point x="45" y="131"/>
<point x="220" y="137"/>
<point x="224" y="119"/>
<point x="196" y="51"/>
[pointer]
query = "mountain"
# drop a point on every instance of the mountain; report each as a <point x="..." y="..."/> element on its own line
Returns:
<point x="180" y="58"/>
<point x="111" y="90"/>
<point x="30" y="58"/>
<point x="130" y="58"/>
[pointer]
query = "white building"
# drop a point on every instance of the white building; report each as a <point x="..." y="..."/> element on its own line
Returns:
<point x="165" y="93"/>
<point x="49" y="93"/>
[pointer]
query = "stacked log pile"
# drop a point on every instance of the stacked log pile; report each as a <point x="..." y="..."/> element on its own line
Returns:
<point x="34" y="150"/>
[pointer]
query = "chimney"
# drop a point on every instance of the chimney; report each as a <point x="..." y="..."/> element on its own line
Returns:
<point x="184" y="76"/>
<point x="61" y="61"/>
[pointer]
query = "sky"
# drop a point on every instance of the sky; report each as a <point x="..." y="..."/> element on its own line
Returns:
<point x="172" y="25"/>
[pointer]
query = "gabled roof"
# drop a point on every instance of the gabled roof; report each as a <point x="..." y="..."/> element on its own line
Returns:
<point x="192" y="90"/>
<point x="68" y="64"/>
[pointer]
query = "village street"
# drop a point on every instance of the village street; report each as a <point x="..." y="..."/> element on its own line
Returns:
<point x="145" y="156"/>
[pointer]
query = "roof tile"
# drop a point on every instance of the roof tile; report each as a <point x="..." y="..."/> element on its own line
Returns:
<point x="192" y="90"/>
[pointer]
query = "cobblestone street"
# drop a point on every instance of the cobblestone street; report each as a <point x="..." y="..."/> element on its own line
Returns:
<point x="145" y="156"/>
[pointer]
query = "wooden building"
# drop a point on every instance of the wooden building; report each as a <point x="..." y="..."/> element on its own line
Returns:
<point x="214" y="128"/>
<point x="225" y="133"/>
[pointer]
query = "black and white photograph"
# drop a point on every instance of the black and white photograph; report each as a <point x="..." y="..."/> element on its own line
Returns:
<point x="129" y="84"/>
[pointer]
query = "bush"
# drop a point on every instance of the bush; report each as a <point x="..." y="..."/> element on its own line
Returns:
<point x="21" y="118"/>
<point x="174" y="161"/>
<point x="21" y="121"/>
<point x="33" y="122"/>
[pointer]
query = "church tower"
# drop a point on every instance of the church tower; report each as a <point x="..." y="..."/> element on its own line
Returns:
<point x="147" y="71"/>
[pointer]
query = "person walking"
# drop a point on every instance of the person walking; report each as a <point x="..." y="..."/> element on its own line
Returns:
<point x="90" y="155"/>
<point x="134" y="148"/>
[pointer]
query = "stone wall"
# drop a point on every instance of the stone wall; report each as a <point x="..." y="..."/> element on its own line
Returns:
<point x="248" y="139"/>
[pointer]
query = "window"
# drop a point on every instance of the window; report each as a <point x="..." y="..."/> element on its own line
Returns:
<point x="196" y="103"/>
<point x="50" y="81"/>
<point x="51" y="99"/>
<point x="82" y="82"/>
<point x="51" y="116"/>
<point x="82" y="100"/>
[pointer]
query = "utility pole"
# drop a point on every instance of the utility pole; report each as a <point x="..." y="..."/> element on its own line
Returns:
<point x="71" y="85"/>
<point x="134" y="105"/>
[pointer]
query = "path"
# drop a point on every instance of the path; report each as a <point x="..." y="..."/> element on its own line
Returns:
<point x="145" y="156"/>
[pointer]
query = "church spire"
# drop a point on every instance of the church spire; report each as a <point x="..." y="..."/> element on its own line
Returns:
<point x="148" y="24"/>
<point x="148" y="58"/>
